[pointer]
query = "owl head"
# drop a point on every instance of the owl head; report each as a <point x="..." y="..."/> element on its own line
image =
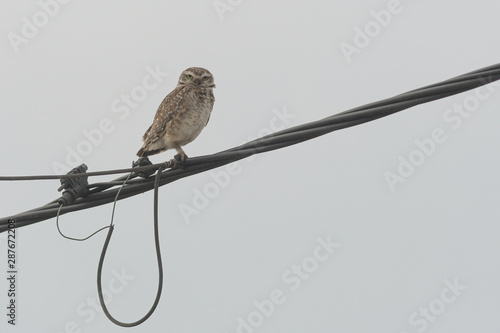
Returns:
<point x="197" y="76"/>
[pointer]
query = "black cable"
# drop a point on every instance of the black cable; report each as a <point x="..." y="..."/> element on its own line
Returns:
<point x="103" y="193"/>
<point x="158" y="257"/>
<point x="167" y="164"/>
<point x="72" y="238"/>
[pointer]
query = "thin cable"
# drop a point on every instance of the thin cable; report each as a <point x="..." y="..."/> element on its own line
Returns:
<point x="71" y="238"/>
<point x="166" y="165"/>
<point x="158" y="257"/>
<point x="116" y="199"/>
<point x="111" y="223"/>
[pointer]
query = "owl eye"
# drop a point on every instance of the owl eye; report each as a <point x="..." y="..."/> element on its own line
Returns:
<point x="205" y="78"/>
<point x="189" y="76"/>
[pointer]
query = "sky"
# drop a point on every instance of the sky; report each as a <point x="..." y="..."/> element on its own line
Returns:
<point x="390" y="226"/>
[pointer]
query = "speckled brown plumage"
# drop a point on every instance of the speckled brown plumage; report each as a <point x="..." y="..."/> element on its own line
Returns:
<point x="182" y="115"/>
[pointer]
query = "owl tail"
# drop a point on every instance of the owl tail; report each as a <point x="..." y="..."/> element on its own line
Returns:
<point x="142" y="152"/>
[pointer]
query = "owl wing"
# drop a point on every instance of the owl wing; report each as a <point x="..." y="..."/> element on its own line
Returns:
<point x="167" y="110"/>
<point x="212" y="101"/>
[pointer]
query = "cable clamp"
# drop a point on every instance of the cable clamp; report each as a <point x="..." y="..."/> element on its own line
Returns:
<point x="74" y="188"/>
<point x="141" y="162"/>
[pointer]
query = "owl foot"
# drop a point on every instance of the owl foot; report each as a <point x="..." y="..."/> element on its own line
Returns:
<point x="181" y="157"/>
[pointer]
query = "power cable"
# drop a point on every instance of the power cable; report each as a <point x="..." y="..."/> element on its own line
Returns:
<point x="79" y="194"/>
<point x="105" y="192"/>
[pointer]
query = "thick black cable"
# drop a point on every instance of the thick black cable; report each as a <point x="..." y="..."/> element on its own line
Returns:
<point x="158" y="257"/>
<point x="432" y="92"/>
<point x="102" y="193"/>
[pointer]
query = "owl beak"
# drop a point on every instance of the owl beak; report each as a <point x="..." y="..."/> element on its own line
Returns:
<point x="197" y="82"/>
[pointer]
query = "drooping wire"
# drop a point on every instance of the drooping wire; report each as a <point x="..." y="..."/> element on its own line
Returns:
<point x="105" y="246"/>
<point x="95" y="232"/>
<point x="71" y="238"/>
<point x="116" y="199"/>
<point x="100" y="195"/>
<point x="158" y="258"/>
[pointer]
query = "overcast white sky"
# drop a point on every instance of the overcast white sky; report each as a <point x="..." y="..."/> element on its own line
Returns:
<point x="311" y="238"/>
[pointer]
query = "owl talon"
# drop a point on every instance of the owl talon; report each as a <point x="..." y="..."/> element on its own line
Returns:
<point x="180" y="158"/>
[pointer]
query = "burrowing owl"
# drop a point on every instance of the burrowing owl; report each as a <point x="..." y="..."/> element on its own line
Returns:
<point x="182" y="114"/>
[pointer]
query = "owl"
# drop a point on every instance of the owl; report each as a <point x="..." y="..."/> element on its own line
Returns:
<point x="182" y="115"/>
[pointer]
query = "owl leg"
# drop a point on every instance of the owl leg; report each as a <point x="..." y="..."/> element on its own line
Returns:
<point x="182" y="155"/>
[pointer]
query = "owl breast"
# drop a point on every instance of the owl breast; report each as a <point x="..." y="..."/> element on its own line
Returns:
<point x="191" y="119"/>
